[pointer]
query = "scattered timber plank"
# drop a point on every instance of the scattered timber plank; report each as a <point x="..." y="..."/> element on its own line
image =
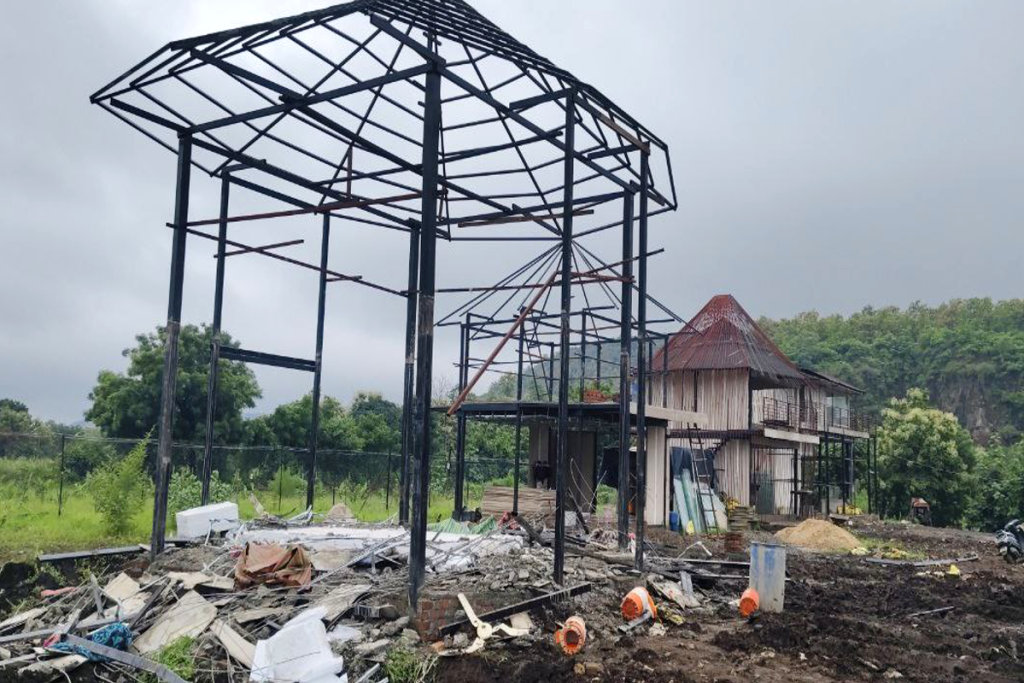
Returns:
<point x="21" y="618"/>
<point x="525" y="606"/>
<point x="83" y="554"/>
<point x="973" y="557"/>
<point x="940" y="610"/>
<point x="43" y="633"/>
<point x="159" y="670"/>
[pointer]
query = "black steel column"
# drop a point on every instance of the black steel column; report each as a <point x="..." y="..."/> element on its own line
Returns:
<point x="171" y="334"/>
<point x="583" y="353"/>
<point x="664" y="372"/>
<point x="460" y="422"/>
<point x="625" y="352"/>
<point x="218" y="309"/>
<point x="827" y="467"/>
<point x="425" y="336"/>
<point x="519" y="421"/>
<point x="314" y="424"/>
<point x="409" y="389"/>
<point x="796" y="496"/>
<point x="551" y="372"/>
<point x="561" y="470"/>
<point x="641" y="383"/>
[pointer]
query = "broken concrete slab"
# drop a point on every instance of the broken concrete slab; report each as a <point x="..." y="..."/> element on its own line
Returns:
<point x="189" y="580"/>
<point x="257" y="613"/>
<point x="330" y="560"/>
<point x="372" y="648"/>
<point x="189" y="617"/>
<point x="238" y="647"/>
<point x="121" y="587"/>
<point x="339" y="600"/>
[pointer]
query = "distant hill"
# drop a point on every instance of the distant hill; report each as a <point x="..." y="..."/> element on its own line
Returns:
<point x="968" y="354"/>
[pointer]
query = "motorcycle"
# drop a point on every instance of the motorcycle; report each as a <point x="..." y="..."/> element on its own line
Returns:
<point x="1010" y="541"/>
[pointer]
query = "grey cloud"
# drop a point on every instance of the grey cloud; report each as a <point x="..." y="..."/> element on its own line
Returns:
<point x="827" y="155"/>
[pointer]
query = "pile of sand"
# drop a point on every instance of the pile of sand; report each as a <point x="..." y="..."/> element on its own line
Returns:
<point x="818" y="534"/>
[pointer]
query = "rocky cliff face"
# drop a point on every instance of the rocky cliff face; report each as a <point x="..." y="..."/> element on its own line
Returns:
<point x="969" y="399"/>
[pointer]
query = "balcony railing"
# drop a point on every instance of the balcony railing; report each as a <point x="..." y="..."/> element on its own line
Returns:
<point x="810" y="416"/>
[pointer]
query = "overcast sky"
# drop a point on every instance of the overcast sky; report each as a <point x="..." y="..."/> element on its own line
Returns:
<point x="828" y="155"/>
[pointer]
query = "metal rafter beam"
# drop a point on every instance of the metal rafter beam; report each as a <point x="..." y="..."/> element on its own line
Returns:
<point x="293" y="101"/>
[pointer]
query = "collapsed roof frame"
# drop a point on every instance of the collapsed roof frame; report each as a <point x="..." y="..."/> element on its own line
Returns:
<point x="232" y="105"/>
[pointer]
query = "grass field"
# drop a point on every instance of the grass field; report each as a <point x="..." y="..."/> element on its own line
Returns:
<point x="29" y="524"/>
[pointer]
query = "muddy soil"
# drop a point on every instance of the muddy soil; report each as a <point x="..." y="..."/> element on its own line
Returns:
<point x="845" y="620"/>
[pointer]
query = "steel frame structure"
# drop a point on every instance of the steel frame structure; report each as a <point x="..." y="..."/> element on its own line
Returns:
<point x="375" y="112"/>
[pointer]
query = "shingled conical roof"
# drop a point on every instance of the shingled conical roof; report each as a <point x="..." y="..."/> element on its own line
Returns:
<point x="723" y="336"/>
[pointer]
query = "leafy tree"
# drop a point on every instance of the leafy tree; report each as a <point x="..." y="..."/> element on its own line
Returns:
<point x="13" y="405"/>
<point x="128" y="405"/>
<point x="16" y="421"/>
<point x="378" y="422"/>
<point x="999" y="480"/>
<point x="924" y="452"/>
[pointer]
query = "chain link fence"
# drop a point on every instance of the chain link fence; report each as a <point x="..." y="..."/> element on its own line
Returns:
<point x="54" y="468"/>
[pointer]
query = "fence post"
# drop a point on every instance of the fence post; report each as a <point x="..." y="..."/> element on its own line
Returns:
<point x="60" y="489"/>
<point x="280" y="479"/>
<point x="387" y="495"/>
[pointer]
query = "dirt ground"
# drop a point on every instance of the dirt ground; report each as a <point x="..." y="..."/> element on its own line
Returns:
<point x="845" y="620"/>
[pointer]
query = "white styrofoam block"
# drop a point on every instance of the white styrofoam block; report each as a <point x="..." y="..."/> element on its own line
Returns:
<point x="196" y="522"/>
<point x="298" y="652"/>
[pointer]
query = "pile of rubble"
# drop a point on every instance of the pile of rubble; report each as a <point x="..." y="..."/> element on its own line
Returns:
<point x="322" y="599"/>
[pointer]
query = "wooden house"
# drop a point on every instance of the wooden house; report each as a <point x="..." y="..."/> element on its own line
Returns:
<point x="767" y="419"/>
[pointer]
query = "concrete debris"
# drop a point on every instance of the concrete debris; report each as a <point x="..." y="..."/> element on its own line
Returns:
<point x="300" y="599"/>
<point x="189" y="617"/>
<point x="190" y="580"/>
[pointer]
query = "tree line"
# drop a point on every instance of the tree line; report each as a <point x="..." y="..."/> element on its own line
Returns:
<point x="948" y="382"/>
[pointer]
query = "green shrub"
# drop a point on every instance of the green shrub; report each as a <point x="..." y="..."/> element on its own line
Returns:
<point x="186" y="491"/>
<point x="178" y="657"/>
<point x="119" y="489"/>
<point x="403" y="665"/>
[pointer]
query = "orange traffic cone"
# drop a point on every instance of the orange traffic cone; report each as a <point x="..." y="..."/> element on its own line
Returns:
<point x="750" y="601"/>
<point x="572" y="635"/>
<point x="636" y="602"/>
